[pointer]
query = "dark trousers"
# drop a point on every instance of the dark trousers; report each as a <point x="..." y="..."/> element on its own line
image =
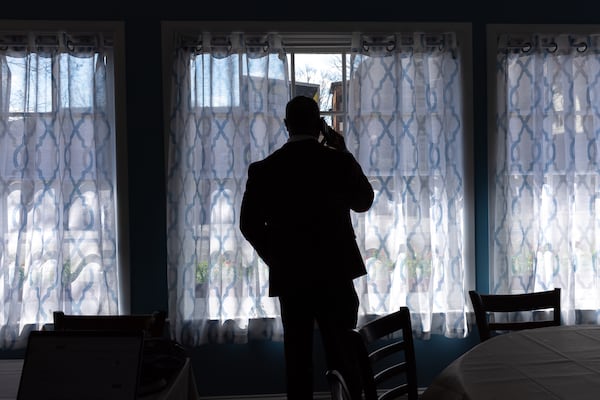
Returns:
<point x="335" y="311"/>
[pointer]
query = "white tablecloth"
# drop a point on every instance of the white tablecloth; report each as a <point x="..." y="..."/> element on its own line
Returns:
<point x="183" y="386"/>
<point x="546" y="363"/>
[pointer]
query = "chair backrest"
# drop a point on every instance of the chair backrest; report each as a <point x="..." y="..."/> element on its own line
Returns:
<point x="337" y="385"/>
<point x="486" y="305"/>
<point x="386" y="355"/>
<point x="152" y="325"/>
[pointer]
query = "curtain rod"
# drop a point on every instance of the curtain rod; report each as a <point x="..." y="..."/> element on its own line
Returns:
<point x="323" y="42"/>
<point x="547" y="42"/>
<point x="44" y="39"/>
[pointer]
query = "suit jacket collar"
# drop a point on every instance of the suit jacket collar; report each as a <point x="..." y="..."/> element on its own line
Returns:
<point x="298" y="138"/>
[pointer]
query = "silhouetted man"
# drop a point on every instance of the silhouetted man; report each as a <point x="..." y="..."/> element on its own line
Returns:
<point x="296" y="214"/>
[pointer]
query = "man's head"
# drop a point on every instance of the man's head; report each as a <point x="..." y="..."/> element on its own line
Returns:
<point x="302" y="116"/>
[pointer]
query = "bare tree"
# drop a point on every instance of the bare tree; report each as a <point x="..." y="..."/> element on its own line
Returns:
<point x="322" y="76"/>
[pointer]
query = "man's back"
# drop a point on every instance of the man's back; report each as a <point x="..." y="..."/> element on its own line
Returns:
<point x="303" y="194"/>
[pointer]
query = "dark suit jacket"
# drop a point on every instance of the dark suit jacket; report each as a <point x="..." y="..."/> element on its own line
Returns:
<point x="296" y="214"/>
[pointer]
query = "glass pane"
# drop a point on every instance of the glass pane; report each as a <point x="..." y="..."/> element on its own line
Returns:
<point x="27" y="72"/>
<point x="319" y="75"/>
<point x="80" y="71"/>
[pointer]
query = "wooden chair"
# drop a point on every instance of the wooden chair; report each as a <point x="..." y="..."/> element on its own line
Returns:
<point x="153" y="324"/>
<point x="337" y="385"/>
<point x="386" y="354"/>
<point x="485" y="305"/>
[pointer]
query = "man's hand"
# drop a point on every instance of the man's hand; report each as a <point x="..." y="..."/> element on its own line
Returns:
<point x="336" y="140"/>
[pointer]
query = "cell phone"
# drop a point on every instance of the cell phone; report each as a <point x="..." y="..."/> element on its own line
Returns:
<point x="327" y="132"/>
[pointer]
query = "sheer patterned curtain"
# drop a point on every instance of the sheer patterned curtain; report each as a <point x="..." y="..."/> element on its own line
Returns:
<point x="546" y="215"/>
<point x="405" y="125"/>
<point x="228" y="105"/>
<point x="58" y="238"/>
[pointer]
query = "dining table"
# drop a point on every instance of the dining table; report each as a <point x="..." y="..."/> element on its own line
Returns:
<point x="559" y="362"/>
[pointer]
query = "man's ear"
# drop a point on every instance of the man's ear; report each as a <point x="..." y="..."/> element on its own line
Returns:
<point x="319" y="124"/>
<point x="286" y="124"/>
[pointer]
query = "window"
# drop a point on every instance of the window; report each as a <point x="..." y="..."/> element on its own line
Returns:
<point x="545" y="188"/>
<point x="400" y="96"/>
<point x="58" y="177"/>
